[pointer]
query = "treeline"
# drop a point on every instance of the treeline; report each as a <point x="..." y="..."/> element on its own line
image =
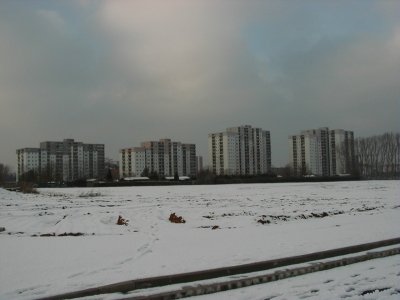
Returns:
<point x="5" y="174"/>
<point x="207" y="177"/>
<point x="378" y="156"/>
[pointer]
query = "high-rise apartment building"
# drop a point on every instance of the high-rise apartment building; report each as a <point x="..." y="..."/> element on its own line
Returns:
<point x="165" y="157"/>
<point x="322" y="152"/>
<point x="29" y="159"/>
<point x="240" y="150"/>
<point x="62" y="161"/>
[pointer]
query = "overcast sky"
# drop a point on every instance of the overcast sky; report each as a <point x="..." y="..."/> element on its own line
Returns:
<point x="122" y="72"/>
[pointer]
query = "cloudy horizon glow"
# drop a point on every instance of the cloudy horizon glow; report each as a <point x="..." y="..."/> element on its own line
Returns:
<point x="123" y="72"/>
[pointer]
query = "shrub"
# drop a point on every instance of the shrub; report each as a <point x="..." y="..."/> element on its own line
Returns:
<point x="28" y="188"/>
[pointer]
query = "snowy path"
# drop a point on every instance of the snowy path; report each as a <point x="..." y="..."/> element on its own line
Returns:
<point x="374" y="279"/>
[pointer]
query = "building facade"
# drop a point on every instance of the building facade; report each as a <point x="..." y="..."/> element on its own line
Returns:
<point x="322" y="152"/>
<point x="62" y="161"/>
<point x="165" y="157"/>
<point x="28" y="159"/>
<point x="240" y="150"/>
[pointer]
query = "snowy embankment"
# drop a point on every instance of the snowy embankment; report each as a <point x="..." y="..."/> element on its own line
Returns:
<point x="374" y="279"/>
<point x="254" y="222"/>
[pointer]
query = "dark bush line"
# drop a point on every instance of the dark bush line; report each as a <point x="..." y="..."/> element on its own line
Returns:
<point x="209" y="180"/>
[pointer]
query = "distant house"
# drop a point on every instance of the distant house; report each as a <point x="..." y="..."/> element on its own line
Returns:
<point x="181" y="178"/>
<point x="135" y="178"/>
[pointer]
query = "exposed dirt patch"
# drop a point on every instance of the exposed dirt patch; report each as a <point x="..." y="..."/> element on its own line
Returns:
<point x="262" y="221"/>
<point x="122" y="221"/>
<point x="71" y="234"/>
<point x="173" y="218"/>
<point x="366" y="292"/>
<point x="53" y="234"/>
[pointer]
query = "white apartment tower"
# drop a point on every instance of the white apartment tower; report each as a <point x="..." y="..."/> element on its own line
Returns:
<point x="165" y="157"/>
<point x="62" y="161"/>
<point x="322" y="152"/>
<point x="240" y="150"/>
<point x="29" y="159"/>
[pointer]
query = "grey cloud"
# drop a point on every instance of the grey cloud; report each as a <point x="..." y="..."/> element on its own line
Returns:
<point x="130" y="71"/>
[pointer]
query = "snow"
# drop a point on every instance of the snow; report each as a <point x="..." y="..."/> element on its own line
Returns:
<point x="374" y="279"/>
<point x="378" y="277"/>
<point x="135" y="178"/>
<point x="33" y="266"/>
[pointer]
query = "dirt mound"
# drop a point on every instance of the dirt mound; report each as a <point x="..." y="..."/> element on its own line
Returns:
<point x="173" y="218"/>
<point x="122" y="221"/>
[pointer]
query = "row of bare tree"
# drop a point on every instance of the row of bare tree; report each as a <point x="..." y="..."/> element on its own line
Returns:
<point x="378" y="156"/>
<point x="5" y="174"/>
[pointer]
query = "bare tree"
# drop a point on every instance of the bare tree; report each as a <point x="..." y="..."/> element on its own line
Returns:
<point x="378" y="156"/>
<point x="4" y="173"/>
<point x="342" y="160"/>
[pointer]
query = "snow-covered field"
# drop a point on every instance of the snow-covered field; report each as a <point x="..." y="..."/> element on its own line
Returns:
<point x="298" y="218"/>
<point x="374" y="279"/>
